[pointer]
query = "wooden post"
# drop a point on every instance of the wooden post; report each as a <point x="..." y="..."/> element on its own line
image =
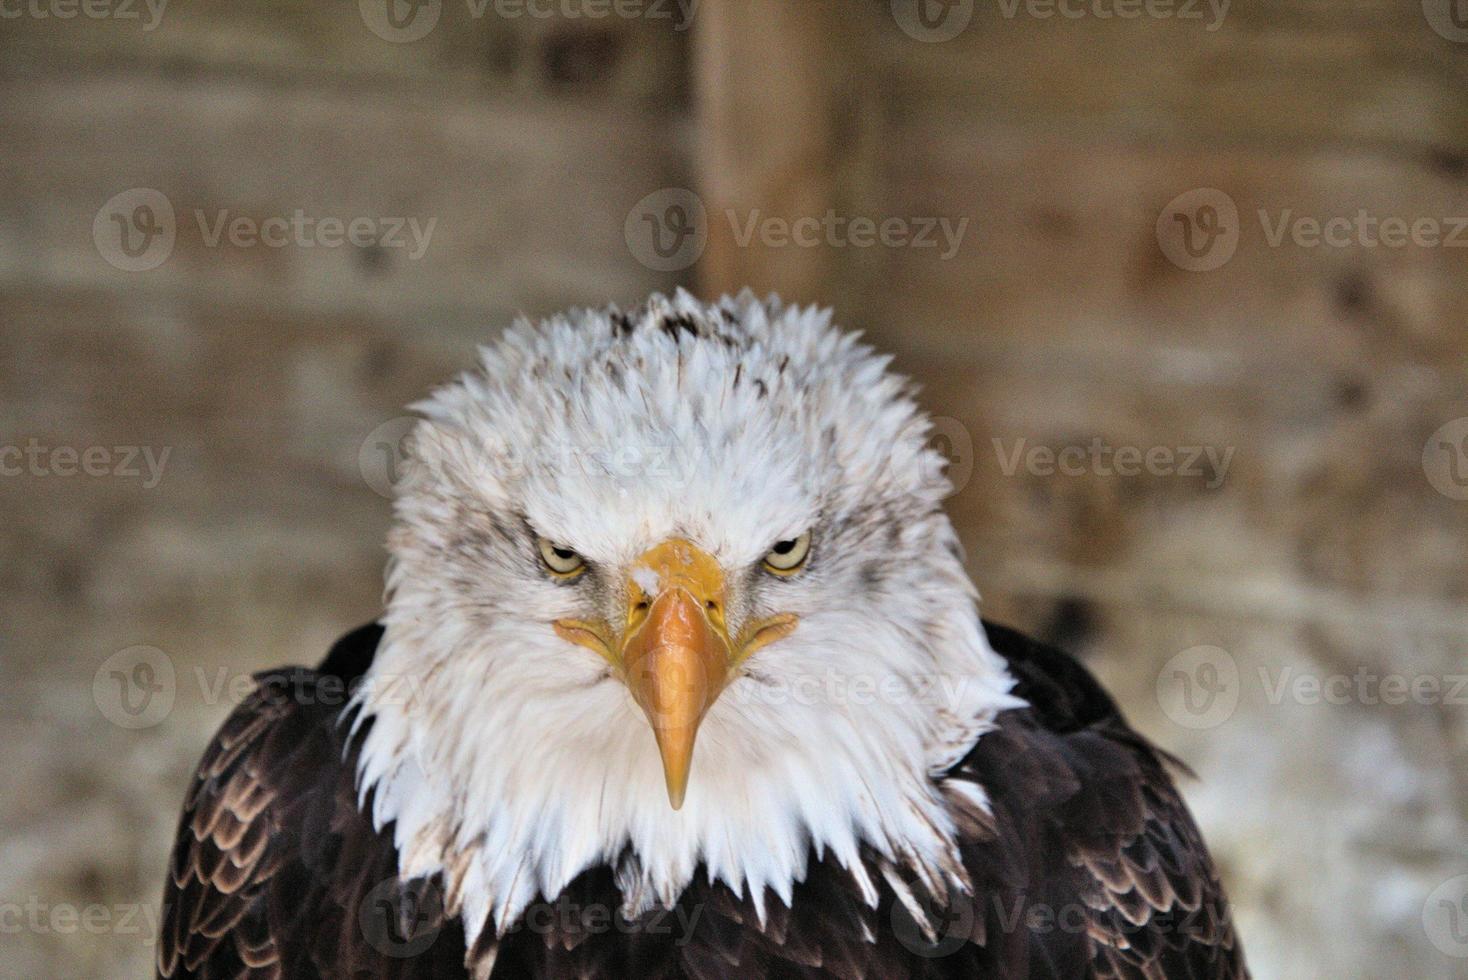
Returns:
<point x="765" y="90"/>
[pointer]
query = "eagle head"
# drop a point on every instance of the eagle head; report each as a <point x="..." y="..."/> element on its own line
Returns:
<point x="671" y="588"/>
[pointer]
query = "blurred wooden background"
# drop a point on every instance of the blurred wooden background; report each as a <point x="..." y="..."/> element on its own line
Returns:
<point x="537" y="145"/>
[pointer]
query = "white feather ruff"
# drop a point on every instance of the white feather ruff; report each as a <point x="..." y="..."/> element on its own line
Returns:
<point x="511" y="760"/>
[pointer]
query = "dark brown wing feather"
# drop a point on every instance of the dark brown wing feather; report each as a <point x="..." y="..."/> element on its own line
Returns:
<point x="1129" y="873"/>
<point x="275" y="874"/>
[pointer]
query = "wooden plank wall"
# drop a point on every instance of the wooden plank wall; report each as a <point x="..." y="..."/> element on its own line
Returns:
<point x="1054" y="319"/>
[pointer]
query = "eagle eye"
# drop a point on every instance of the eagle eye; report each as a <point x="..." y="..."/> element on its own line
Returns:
<point x="562" y="561"/>
<point x="787" y="557"/>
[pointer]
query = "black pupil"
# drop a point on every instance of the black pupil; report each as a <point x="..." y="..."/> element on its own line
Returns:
<point x="565" y="554"/>
<point x="784" y="547"/>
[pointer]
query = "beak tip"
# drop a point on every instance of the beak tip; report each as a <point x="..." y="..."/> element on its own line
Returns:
<point x="677" y="788"/>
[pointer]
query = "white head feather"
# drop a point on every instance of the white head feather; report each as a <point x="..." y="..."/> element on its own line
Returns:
<point x="512" y="760"/>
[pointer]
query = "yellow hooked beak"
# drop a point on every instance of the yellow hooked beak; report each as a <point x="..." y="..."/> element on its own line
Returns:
<point x="674" y="651"/>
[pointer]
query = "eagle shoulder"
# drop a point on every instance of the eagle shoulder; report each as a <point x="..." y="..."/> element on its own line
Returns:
<point x="1115" y="875"/>
<point x="276" y="872"/>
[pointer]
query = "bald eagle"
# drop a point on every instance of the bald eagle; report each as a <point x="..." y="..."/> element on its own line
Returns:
<point x="680" y="675"/>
